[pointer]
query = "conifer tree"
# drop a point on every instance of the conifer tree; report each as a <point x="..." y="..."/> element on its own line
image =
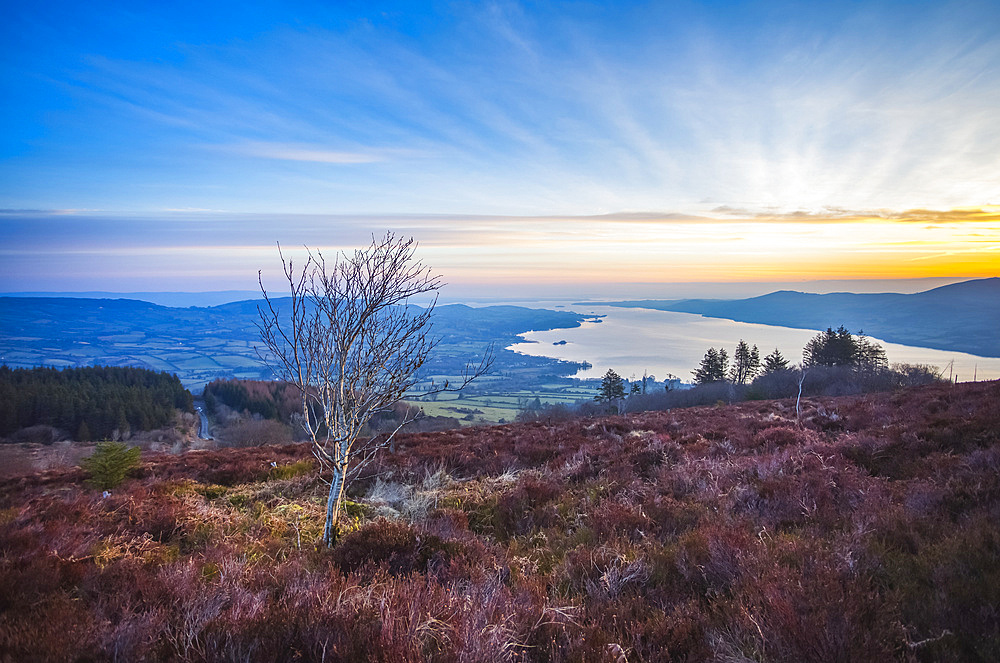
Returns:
<point x="102" y="397"/>
<point x="110" y="464"/>
<point x="841" y="348"/>
<point x="830" y="348"/>
<point x="869" y="355"/>
<point x="774" y="362"/>
<point x="612" y="388"/>
<point x="714" y="367"/>
<point x="746" y="363"/>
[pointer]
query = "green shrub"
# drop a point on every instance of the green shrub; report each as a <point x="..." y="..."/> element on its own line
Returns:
<point x="110" y="464"/>
<point x="211" y="491"/>
<point x="292" y="469"/>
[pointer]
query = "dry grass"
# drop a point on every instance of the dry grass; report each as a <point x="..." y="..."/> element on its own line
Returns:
<point x="718" y="533"/>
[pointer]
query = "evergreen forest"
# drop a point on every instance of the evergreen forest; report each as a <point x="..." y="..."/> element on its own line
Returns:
<point x="269" y="399"/>
<point x="90" y="403"/>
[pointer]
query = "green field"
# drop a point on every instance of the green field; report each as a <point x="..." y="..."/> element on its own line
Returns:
<point x="202" y="344"/>
<point x="499" y="408"/>
<point x="499" y="399"/>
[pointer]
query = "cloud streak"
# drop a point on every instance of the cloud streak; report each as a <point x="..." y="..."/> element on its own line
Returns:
<point x="521" y="143"/>
<point x="110" y="251"/>
<point x="285" y="152"/>
<point x="511" y="110"/>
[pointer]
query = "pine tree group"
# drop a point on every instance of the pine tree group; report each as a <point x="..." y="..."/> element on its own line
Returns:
<point x="714" y="367"/>
<point x="90" y="402"/>
<point x="746" y="363"/>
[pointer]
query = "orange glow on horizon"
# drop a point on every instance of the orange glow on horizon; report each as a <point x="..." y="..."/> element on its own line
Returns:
<point x="961" y="243"/>
<point x="533" y="252"/>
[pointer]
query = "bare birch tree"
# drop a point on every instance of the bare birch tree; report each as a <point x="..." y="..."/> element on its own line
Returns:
<point x="350" y="340"/>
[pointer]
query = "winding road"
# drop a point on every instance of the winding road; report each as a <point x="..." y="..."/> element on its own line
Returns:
<point x="203" y="429"/>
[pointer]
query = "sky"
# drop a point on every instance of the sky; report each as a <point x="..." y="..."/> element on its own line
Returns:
<point x="577" y="149"/>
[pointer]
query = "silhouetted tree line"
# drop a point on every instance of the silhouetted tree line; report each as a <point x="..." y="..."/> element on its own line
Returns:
<point x="841" y="348"/>
<point x="270" y="400"/>
<point x="829" y="349"/>
<point x="90" y="403"/>
<point x="835" y="363"/>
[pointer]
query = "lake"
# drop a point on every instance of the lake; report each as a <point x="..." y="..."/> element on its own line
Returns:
<point x="635" y="341"/>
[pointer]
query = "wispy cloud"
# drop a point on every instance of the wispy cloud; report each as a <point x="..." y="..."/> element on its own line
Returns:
<point x="603" y="141"/>
<point x="502" y="108"/>
<point x="286" y="152"/>
<point x="107" y="250"/>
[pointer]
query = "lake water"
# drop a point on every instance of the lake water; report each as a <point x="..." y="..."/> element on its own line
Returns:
<point x="634" y="341"/>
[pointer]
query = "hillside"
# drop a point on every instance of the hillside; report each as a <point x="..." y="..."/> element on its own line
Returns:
<point x="200" y="344"/>
<point x="866" y="533"/>
<point x="963" y="316"/>
<point x="90" y="403"/>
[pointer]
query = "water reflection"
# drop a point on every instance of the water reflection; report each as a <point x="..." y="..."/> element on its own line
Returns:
<point x="636" y="341"/>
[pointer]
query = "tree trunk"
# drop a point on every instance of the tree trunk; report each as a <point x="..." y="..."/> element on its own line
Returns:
<point x="333" y="501"/>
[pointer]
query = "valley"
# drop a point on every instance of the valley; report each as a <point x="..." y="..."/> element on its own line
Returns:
<point x="200" y="344"/>
<point x="543" y="357"/>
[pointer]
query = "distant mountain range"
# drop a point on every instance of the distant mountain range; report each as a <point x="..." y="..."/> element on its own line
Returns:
<point x="963" y="317"/>
<point x="171" y="299"/>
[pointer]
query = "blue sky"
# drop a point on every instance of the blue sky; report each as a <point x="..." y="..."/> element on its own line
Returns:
<point x="155" y="136"/>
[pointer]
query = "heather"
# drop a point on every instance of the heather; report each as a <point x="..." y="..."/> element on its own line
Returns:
<point x="862" y="530"/>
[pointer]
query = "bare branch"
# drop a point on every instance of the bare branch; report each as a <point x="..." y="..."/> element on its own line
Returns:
<point x="351" y="342"/>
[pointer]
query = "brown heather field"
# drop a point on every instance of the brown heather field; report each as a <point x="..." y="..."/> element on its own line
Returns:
<point x="867" y="532"/>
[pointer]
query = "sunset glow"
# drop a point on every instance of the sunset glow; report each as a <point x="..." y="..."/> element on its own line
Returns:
<point x="524" y="146"/>
<point x="538" y="251"/>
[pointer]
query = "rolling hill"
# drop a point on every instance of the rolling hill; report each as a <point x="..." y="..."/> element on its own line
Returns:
<point x="963" y="317"/>
<point x="200" y="344"/>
